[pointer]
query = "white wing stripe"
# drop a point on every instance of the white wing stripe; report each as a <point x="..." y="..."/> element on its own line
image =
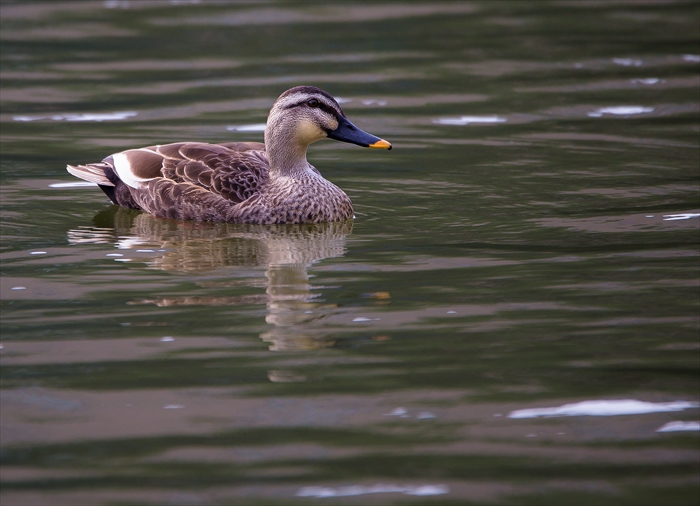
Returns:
<point x="123" y="168"/>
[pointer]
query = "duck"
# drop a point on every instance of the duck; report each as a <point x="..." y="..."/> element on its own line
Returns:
<point x="239" y="182"/>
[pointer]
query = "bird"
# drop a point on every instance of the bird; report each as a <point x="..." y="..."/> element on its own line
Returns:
<point x="239" y="182"/>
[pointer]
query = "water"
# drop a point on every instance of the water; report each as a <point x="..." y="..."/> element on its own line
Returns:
<point x="512" y="317"/>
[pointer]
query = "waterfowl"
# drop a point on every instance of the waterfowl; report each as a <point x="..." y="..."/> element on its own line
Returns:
<point x="239" y="182"/>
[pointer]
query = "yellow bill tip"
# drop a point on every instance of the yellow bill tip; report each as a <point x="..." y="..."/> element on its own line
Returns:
<point x="381" y="144"/>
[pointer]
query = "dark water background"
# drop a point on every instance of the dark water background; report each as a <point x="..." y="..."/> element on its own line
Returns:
<point x="532" y="241"/>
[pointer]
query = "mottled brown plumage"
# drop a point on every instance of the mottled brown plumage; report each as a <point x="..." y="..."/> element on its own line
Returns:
<point x="239" y="182"/>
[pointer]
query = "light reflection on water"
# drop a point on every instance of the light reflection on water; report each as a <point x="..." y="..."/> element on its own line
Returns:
<point x="529" y="246"/>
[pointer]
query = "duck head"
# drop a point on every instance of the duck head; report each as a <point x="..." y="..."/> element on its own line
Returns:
<point x="304" y="115"/>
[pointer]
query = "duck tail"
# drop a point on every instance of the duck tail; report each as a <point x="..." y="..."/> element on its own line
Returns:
<point x="93" y="172"/>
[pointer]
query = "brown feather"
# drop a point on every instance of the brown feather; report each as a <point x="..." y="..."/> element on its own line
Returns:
<point x="144" y="164"/>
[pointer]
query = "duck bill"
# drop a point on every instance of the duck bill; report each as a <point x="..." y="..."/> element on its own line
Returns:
<point x="347" y="132"/>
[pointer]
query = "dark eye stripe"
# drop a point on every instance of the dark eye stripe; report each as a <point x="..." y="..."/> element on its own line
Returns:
<point x="321" y="105"/>
<point x="328" y="109"/>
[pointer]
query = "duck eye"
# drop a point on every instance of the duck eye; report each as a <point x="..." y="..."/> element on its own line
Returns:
<point x="313" y="103"/>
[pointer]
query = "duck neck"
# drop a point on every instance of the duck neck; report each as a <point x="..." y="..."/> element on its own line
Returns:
<point x="286" y="154"/>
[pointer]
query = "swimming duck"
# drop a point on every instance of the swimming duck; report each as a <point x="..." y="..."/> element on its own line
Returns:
<point x="239" y="182"/>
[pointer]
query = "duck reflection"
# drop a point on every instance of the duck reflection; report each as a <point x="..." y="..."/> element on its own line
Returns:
<point x="286" y="251"/>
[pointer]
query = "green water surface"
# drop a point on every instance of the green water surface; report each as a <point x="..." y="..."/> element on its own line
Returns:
<point x="531" y="241"/>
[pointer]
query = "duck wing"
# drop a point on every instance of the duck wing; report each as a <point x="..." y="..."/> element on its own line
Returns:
<point x="184" y="180"/>
<point x="235" y="171"/>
